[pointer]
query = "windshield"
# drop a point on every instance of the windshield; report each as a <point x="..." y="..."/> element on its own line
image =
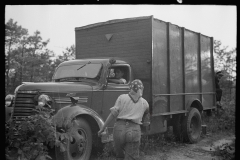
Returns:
<point x="78" y="70"/>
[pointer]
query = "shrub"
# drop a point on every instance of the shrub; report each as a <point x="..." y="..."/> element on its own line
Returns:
<point x="222" y="119"/>
<point x="30" y="138"/>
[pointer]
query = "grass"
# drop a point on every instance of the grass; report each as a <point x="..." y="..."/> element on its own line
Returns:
<point x="223" y="122"/>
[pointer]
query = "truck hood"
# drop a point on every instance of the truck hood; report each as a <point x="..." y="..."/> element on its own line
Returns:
<point x="56" y="87"/>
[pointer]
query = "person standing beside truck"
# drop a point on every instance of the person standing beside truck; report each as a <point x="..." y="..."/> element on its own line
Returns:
<point x="129" y="111"/>
<point x="118" y="77"/>
<point x="218" y="89"/>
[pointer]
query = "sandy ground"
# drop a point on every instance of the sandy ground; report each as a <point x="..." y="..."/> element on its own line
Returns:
<point x="203" y="150"/>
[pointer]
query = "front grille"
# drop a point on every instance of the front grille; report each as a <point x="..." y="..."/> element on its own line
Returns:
<point x="23" y="105"/>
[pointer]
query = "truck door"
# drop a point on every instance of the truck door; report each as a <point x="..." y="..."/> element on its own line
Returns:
<point x="113" y="90"/>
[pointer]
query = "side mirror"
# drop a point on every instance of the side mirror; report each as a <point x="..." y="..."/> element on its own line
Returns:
<point x="104" y="87"/>
<point x="112" y="61"/>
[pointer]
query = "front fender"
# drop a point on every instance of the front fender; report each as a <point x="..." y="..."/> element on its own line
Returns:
<point x="65" y="115"/>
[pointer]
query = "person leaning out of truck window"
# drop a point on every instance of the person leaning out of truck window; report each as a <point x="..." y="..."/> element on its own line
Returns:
<point x="129" y="111"/>
<point x="118" y="77"/>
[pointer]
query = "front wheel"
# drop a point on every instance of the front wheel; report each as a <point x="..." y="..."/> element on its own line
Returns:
<point x="81" y="145"/>
<point x="192" y="124"/>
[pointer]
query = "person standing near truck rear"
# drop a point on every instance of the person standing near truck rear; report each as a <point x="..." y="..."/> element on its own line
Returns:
<point x="129" y="110"/>
<point x="218" y="89"/>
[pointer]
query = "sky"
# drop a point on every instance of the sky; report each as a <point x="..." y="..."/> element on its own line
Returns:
<point x="58" y="22"/>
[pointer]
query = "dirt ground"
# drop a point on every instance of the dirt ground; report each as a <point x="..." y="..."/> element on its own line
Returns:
<point x="205" y="149"/>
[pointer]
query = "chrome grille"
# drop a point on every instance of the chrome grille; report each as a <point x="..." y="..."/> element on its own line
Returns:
<point x="23" y="105"/>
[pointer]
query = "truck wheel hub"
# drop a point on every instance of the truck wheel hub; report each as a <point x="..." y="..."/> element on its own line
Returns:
<point x="78" y="145"/>
<point x="81" y="145"/>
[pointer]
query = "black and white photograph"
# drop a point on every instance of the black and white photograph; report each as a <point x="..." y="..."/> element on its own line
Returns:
<point x="120" y="82"/>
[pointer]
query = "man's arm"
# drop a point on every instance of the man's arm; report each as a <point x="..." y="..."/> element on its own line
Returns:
<point x="109" y="119"/>
<point x="146" y="118"/>
<point x="118" y="81"/>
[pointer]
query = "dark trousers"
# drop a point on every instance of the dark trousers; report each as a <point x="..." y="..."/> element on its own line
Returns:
<point x="126" y="137"/>
<point x="218" y="94"/>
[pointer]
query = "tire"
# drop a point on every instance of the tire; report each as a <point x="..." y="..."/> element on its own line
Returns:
<point x="81" y="146"/>
<point x="192" y="126"/>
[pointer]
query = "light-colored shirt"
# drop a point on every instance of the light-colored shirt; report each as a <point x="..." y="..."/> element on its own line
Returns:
<point x="125" y="108"/>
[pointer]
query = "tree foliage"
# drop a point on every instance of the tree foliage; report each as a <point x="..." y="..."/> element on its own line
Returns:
<point x="13" y="34"/>
<point x="27" y="58"/>
<point x="225" y="61"/>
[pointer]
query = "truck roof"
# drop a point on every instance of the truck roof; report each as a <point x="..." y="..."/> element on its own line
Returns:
<point x="112" y="22"/>
<point x="97" y="60"/>
<point x="125" y="20"/>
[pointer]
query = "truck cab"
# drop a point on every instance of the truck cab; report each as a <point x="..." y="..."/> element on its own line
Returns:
<point x="88" y="81"/>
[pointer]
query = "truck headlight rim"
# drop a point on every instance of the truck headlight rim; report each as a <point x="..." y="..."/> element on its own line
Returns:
<point x="9" y="100"/>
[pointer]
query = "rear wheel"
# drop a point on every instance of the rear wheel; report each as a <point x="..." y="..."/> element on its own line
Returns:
<point x="81" y="146"/>
<point x="191" y="126"/>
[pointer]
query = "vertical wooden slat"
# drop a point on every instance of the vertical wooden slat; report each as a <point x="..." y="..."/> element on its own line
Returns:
<point x="213" y="72"/>
<point x="183" y="66"/>
<point x="199" y="65"/>
<point x="168" y="65"/>
<point x="151" y="97"/>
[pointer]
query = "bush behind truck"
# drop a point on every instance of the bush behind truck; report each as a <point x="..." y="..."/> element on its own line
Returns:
<point x="174" y="64"/>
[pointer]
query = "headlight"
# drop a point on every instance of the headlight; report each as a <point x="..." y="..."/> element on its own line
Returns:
<point x="8" y="100"/>
<point x="43" y="100"/>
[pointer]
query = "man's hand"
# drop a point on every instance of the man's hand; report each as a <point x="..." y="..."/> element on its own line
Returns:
<point x="100" y="132"/>
<point x="109" y="119"/>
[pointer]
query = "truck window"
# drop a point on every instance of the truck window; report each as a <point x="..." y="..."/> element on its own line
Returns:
<point x="119" y="75"/>
<point x="87" y="71"/>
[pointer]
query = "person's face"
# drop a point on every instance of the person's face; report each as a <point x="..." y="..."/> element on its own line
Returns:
<point x="119" y="74"/>
<point x="219" y="76"/>
<point x="140" y="92"/>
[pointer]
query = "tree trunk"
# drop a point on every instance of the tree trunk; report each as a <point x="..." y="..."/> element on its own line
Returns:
<point x="31" y="77"/>
<point x="8" y="67"/>
<point x="230" y="93"/>
<point x="32" y="72"/>
<point x="21" y="73"/>
<point x="13" y="83"/>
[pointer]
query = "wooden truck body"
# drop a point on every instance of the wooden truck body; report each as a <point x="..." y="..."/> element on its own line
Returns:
<point x="174" y="63"/>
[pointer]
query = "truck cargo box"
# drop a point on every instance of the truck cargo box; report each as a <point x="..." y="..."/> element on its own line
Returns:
<point x="174" y="63"/>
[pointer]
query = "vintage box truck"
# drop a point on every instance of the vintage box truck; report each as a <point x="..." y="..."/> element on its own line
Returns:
<point x="175" y="65"/>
